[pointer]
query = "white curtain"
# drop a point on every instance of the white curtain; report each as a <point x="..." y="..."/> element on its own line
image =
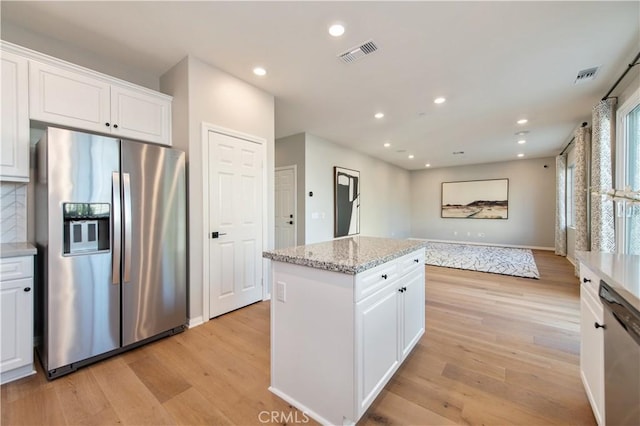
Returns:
<point x="581" y="195"/>
<point x="561" y="205"/>
<point x="602" y="138"/>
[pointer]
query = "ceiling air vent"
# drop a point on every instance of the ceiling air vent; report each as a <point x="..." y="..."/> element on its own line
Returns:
<point x="358" y="52"/>
<point x="586" y="75"/>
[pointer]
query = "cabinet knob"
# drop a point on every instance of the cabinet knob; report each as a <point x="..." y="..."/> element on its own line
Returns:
<point x="290" y="222"/>
<point x="586" y="280"/>
<point x="384" y="276"/>
<point x="27" y="289"/>
<point x="400" y="290"/>
<point x="115" y="126"/>
<point x="107" y="124"/>
<point x="416" y="260"/>
<point x="596" y="325"/>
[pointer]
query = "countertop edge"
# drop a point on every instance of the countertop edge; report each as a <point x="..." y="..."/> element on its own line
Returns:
<point x="8" y="250"/>
<point x="337" y="267"/>
<point x="592" y="260"/>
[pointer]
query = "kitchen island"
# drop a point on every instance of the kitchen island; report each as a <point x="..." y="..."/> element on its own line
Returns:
<point x="345" y="314"/>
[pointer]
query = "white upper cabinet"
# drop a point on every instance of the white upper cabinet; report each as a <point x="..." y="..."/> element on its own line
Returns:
<point x="60" y="96"/>
<point x="14" y="122"/>
<point x="139" y="115"/>
<point x="71" y="96"/>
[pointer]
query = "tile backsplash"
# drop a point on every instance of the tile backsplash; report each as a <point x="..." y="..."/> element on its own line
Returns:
<point x="13" y="212"/>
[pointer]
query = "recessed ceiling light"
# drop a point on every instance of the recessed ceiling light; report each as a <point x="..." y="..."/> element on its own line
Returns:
<point x="411" y="157"/>
<point x="387" y="145"/>
<point x="336" y="30"/>
<point x="427" y="165"/>
<point x="439" y="100"/>
<point x="379" y="115"/>
<point x="520" y="155"/>
<point x="523" y="121"/>
<point x="522" y="141"/>
<point x="259" y="71"/>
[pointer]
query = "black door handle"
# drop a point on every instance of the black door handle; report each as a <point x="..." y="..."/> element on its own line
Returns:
<point x="596" y="325"/>
<point x="115" y="126"/>
<point x="290" y="222"/>
<point x="401" y="290"/>
<point x="384" y="276"/>
<point x="27" y="289"/>
<point x="586" y="280"/>
<point x="217" y="234"/>
<point x="416" y="260"/>
<point x="291" y="216"/>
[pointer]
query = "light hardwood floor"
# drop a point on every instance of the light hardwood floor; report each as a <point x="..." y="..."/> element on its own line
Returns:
<point x="498" y="350"/>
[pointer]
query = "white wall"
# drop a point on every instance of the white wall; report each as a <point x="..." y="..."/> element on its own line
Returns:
<point x="214" y="97"/>
<point x="531" y="204"/>
<point x="290" y="151"/>
<point x="385" y="192"/>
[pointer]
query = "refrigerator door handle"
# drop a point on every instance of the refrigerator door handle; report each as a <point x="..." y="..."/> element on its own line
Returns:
<point x="126" y="180"/>
<point x="117" y="228"/>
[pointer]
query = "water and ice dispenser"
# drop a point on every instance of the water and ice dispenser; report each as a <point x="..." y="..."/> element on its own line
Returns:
<point x="86" y="228"/>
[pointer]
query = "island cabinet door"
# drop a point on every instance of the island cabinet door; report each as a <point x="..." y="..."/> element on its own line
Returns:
<point x="377" y="343"/>
<point x="412" y="310"/>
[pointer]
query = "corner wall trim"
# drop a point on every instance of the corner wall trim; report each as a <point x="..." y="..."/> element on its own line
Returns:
<point x="194" y="322"/>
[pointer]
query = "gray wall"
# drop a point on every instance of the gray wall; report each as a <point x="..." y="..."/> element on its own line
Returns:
<point x="92" y="60"/>
<point x="385" y="192"/>
<point x="531" y="204"/>
<point x="290" y="151"/>
<point x="215" y="97"/>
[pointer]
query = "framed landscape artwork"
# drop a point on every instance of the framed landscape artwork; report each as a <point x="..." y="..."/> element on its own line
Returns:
<point x="476" y="199"/>
<point x="346" y="201"/>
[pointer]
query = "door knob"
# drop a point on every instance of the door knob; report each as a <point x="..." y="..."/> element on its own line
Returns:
<point x="217" y="234"/>
<point x="291" y="216"/>
<point x="596" y="325"/>
<point x="27" y="289"/>
<point x="586" y="280"/>
<point x="290" y="222"/>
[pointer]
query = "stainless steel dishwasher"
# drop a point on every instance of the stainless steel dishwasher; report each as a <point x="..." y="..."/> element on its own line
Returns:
<point x="621" y="359"/>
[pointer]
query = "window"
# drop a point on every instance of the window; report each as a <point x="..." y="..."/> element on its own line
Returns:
<point x="628" y="174"/>
<point x="571" y="200"/>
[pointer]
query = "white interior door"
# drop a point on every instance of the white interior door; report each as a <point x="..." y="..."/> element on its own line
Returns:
<point x="285" y="208"/>
<point x="235" y="223"/>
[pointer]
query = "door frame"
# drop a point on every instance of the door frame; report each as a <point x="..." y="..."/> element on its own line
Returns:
<point x="293" y="167"/>
<point x="206" y="128"/>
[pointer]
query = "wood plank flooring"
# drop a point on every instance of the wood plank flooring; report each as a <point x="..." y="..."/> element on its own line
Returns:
<point x="498" y="350"/>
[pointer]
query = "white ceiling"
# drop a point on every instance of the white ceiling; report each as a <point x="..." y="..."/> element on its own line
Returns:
<point x="495" y="62"/>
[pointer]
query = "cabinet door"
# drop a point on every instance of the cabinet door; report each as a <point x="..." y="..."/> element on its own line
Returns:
<point x="592" y="353"/>
<point x="14" y="161"/>
<point x="16" y="328"/>
<point x="70" y="98"/>
<point x="377" y="331"/>
<point x="412" y="311"/>
<point x="139" y="115"/>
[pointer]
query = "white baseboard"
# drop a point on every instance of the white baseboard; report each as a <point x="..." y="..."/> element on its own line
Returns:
<point x="194" y="322"/>
<point x="572" y="261"/>
<point x="475" y="243"/>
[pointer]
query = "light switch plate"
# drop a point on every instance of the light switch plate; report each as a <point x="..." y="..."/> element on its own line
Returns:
<point x="281" y="291"/>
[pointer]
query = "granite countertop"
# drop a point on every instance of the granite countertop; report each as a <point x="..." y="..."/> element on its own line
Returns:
<point x="17" y="249"/>
<point x="347" y="255"/>
<point x="620" y="271"/>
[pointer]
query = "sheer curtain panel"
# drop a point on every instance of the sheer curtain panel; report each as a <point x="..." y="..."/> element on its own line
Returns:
<point x="581" y="195"/>
<point x="561" y="205"/>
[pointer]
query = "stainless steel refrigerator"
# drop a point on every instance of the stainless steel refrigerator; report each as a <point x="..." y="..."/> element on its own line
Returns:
<point x="111" y="232"/>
